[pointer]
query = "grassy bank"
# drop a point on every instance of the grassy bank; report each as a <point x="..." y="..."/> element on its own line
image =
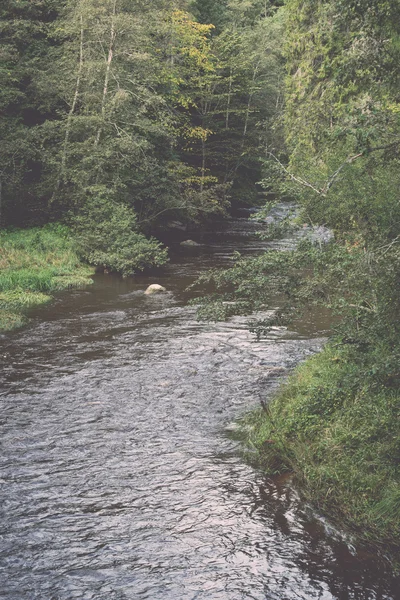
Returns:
<point x="35" y="263"/>
<point x="339" y="435"/>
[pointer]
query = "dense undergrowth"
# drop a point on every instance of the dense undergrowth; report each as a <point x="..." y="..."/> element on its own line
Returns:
<point x="35" y="263"/>
<point x="337" y="431"/>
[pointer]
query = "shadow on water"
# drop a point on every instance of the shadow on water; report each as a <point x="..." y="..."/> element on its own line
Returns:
<point x="118" y="477"/>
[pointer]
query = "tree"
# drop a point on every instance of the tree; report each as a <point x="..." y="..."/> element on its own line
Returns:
<point x="25" y="29"/>
<point x="140" y="103"/>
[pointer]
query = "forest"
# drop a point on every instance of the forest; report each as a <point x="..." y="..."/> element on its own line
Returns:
<point x="145" y="111"/>
<point x="118" y="117"/>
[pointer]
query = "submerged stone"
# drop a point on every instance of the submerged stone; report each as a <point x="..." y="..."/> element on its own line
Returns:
<point x="189" y="243"/>
<point x="176" y="225"/>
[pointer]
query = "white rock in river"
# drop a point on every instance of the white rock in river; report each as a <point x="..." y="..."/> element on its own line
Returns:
<point x="154" y="288"/>
<point x="189" y="243"/>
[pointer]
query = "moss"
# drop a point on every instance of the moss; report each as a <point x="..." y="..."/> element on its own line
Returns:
<point x="339" y="435"/>
<point x="35" y="263"/>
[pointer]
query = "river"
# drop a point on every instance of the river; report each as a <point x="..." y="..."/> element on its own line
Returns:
<point x="119" y="478"/>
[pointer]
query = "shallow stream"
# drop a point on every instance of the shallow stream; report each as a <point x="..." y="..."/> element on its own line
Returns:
<point x="119" y="479"/>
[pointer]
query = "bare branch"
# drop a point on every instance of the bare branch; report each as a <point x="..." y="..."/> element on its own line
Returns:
<point x="365" y="308"/>
<point x="293" y="177"/>
<point x="331" y="180"/>
<point x="389" y="246"/>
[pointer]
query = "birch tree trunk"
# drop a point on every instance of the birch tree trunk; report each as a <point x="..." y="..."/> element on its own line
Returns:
<point x="228" y="103"/>
<point x="233" y="171"/>
<point x="246" y="122"/>
<point x="61" y="174"/>
<point x="204" y="111"/>
<point x="107" y="73"/>
<point x="203" y="163"/>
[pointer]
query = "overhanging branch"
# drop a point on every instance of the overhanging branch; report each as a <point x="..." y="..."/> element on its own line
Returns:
<point x="331" y="180"/>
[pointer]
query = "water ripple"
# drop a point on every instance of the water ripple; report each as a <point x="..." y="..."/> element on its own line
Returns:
<point x="118" y="480"/>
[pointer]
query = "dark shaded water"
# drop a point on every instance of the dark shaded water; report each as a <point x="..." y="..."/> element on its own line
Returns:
<point x="118" y="476"/>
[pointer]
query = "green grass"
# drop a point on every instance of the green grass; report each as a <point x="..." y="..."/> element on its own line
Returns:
<point x="35" y="263"/>
<point x="338" y="432"/>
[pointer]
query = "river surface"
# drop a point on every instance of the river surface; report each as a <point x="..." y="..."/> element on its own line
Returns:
<point x="119" y="479"/>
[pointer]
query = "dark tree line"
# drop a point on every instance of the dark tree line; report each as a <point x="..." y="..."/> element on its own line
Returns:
<point x="160" y="107"/>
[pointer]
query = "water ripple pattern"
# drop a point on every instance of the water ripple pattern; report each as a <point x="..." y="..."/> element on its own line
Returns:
<point x="119" y="480"/>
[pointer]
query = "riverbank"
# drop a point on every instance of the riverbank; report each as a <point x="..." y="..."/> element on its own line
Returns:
<point x="34" y="264"/>
<point x="339" y="436"/>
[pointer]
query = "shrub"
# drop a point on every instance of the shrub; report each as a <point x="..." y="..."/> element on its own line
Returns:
<point x="107" y="236"/>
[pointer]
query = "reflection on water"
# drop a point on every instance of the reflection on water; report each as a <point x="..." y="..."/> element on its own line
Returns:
<point x="118" y="477"/>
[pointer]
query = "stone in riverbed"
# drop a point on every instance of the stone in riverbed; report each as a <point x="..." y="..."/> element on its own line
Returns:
<point x="154" y="288"/>
<point x="176" y="225"/>
<point x="189" y="243"/>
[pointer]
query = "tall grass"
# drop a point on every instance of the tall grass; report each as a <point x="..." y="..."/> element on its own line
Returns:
<point x="34" y="263"/>
<point x="338" y="433"/>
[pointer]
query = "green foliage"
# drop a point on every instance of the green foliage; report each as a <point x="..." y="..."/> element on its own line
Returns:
<point x="360" y="287"/>
<point x="211" y="11"/>
<point x="141" y="98"/>
<point x="342" y="89"/>
<point x="337" y="431"/>
<point x="15" y="298"/>
<point x="50" y="247"/>
<point x="343" y="133"/>
<point x="25" y="42"/>
<point x="248" y="286"/>
<point x="107" y="237"/>
<point x="335" y="422"/>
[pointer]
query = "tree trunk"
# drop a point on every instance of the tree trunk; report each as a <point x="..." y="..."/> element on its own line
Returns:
<point x="228" y="104"/>
<point x="203" y="163"/>
<point x="246" y="122"/>
<point x="108" y="69"/>
<point x="205" y="107"/>
<point x="61" y="174"/>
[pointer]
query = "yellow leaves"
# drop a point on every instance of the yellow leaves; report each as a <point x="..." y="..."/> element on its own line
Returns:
<point x="393" y="107"/>
<point x="191" y="40"/>
<point x="184" y="101"/>
<point x="197" y="133"/>
<point x="182" y="20"/>
<point x="190" y="64"/>
<point x="196" y="180"/>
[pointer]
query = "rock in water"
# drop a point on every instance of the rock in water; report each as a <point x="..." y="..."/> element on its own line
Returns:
<point x="176" y="225"/>
<point x="154" y="288"/>
<point x="189" y="243"/>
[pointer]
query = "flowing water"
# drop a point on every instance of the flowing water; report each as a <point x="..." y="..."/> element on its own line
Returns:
<point x="119" y="479"/>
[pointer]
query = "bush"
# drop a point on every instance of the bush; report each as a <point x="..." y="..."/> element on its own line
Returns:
<point x="107" y="236"/>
